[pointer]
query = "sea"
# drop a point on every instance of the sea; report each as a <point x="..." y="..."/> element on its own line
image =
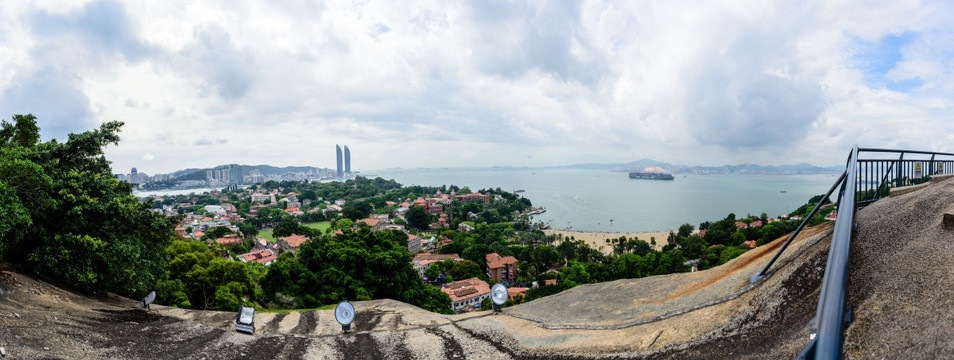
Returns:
<point x="603" y="200"/>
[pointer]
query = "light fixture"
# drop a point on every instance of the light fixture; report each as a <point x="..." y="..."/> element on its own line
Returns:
<point x="148" y="300"/>
<point x="498" y="296"/>
<point x="344" y="313"/>
<point x="245" y="320"/>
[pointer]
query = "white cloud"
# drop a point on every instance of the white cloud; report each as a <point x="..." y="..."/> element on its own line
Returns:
<point x="148" y="156"/>
<point x="202" y="84"/>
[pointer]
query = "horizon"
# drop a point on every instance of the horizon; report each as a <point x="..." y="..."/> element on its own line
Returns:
<point x="482" y="84"/>
<point x="360" y="172"/>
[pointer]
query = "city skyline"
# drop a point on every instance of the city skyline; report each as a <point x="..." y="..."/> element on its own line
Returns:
<point x="490" y="84"/>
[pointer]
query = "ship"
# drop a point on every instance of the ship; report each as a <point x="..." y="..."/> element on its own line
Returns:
<point x="651" y="173"/>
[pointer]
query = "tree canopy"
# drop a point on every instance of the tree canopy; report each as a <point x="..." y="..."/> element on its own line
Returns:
<point x="63" y="215"/>
<point x="354" y="265"/>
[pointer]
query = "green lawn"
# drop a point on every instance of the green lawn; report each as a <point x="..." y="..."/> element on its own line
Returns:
<point x="267" y="234"/>
<point x="320" y="226"/>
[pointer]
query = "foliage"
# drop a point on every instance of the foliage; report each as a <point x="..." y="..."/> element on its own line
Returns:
<point x="354" y="265"/>
<point x="731" y="253"/>
<point x="205" y="280"/>
<point x="417" y="218"/>
<point x="83" y="225"/>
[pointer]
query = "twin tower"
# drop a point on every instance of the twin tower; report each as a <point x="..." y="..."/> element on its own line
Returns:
<point x="347" y="161"/>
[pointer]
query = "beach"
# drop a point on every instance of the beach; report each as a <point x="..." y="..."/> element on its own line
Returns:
<point x="597" y="239"/>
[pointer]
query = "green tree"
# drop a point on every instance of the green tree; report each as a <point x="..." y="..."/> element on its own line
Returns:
<point x="417" y="218"/>
<point x="433" y="271"/>
<point x="355" y="265"/>
<point x="731" y="253"/>
<point x="84" y="225"/>
<point x="574" y="274"/>
<point x="465" y="269"/>
<point x="546" y="256"/>
<point x="286" y="227"/>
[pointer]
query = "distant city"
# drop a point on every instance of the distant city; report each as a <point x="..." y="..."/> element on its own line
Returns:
<point x="234" y="174"/>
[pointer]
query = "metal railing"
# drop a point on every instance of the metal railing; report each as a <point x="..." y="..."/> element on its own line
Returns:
<point x="876" y="175"/>
<point x="863" y="182"/>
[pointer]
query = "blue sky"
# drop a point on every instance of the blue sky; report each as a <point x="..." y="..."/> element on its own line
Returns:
<point x="482" y="83"/>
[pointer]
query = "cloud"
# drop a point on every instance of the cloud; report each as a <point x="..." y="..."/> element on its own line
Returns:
<point x="566" y="82"/>
<point x="55" y="97"/>
<point x="148" y="156"/>
<point x="94" y="31"/>
<point x="767" y="111"/>
<point x="226" y="70"/>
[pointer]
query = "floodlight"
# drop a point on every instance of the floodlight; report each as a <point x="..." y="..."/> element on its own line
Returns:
<point x="344" y="313"/>
<point x="245" y="320"/>
<point x="498" y="296"/>
<point x="148" y="299"/>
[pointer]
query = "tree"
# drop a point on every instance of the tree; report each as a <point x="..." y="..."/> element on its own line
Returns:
<point x="465" y="269"/>
<point x="286" y="227"/>
<point x="433" y="271"/>
<point x="84" y="225"/>
<point x="574" y="274"/>
<point x="417" y="218"/>
<point x="354" y="265"/>
<point x="546" y="256"/>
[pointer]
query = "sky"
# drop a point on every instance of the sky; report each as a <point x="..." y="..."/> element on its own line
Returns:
<point x="482" y="83"/>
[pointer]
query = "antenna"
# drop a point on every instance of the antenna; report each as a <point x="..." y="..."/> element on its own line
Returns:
<point x="498" y="296"/>
<point x="344" y="313"/>
<point x="148" y="300"/>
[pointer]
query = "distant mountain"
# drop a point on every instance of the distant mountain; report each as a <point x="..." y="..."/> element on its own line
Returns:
<point x="200" y="174"/>
<point x="797" y="169"/>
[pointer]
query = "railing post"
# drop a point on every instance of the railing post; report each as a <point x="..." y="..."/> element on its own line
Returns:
<point x="900" y="173"/>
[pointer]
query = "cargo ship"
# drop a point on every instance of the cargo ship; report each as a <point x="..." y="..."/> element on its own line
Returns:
<point x="651" y="173"/>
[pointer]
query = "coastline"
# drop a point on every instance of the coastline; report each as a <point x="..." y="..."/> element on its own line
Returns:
<point x="597" y="239"/>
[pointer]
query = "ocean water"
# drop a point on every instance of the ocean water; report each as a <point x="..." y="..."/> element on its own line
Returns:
<point x="600" y="200"/>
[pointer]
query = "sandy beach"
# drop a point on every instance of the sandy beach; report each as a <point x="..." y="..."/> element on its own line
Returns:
<point x="597" y="239"/>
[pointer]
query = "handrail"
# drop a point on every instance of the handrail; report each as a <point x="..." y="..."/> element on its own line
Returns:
<point x="830" y="315"/>
<point x="903" y="151"/>
<point x="831" y="301"/>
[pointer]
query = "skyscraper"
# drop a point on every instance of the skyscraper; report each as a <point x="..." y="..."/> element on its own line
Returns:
<point x="347" y="160"/>
<point x="338" y="152"/>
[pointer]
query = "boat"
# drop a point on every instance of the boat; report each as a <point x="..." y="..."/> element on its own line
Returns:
<point x="651" y="173"/>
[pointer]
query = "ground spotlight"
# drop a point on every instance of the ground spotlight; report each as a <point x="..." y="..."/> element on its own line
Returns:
<point x="498" y="296"/>
<point x="344" y="313"/>
<point x="245" y="320"/>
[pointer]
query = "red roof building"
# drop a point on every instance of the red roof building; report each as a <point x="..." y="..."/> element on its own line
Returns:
<point x="502" y="269"/>
<point x="511" y="292"/>
<point x="466" y="294"/>
<point x="291" y="242"/>
<point x="229" y="240"/>
<point x="473" y="197"/>
<point x="263" y="256"/>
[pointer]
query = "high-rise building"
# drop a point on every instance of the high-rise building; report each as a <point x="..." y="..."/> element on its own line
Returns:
<point x="134" y="177"/>
<point x="347" y="160"/>
<point x="338" y="153"/>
